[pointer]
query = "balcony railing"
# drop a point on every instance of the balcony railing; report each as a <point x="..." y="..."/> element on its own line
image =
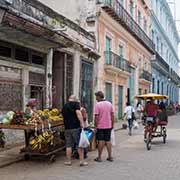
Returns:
<point x="117" y="11"/>
<point x="175" y="77"/>
<point x="117" y="61"/>
<point x="145" y="75"/>
<point x="162" y="63"/>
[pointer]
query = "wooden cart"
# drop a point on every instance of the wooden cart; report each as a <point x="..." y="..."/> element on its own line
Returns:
<point x="26" y="128"/>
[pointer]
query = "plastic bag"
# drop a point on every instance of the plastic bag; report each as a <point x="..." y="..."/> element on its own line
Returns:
<point x="135" y="125"/>
<point x="89" y="133"/>
<point x="113" y="142"/>
<point x="83" y="142"/>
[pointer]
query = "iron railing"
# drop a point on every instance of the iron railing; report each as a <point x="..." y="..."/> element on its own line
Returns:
<point x="145" y="75"/>
<point x="162" y="63"/>
<point x="117" y="61"/>
<point x="120" y="14"/>
<point x="175" y="77"/>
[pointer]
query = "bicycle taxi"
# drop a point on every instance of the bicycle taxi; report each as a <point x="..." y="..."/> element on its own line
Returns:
<point x="154" y="126"/>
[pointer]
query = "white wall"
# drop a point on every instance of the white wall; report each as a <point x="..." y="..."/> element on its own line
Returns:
<point x="75" y="10"/>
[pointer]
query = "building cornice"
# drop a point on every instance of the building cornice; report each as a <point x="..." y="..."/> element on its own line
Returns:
<point x="154" y="17"/>
<point x="170" y="16"/>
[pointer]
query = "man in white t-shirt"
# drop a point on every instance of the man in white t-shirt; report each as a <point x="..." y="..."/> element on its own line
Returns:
<point x="128" y="112"/>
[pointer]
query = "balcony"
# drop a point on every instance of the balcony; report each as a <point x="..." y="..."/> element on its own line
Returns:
<point x="145" y="75"/>
<point x="175" y="77"/>
<point x="117" y="61"/>
<point x="118" y="13"/>
<point x="160" y="64"/>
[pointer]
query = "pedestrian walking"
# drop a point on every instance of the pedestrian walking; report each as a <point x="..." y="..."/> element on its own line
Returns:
<point x="129" y="114"/>
<point x="139" y="109"/>
<point x="73" y="122"/>
<point x="104" y="123"/>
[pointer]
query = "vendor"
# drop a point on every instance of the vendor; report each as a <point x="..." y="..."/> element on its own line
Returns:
<point x="29" y="110"/>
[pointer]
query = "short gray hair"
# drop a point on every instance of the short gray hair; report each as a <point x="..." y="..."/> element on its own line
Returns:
<point x="73" y="98"/>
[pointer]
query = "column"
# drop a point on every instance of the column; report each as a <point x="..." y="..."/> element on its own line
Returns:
<point x="77" y="69"/>
<point x="49" y="79"/>
<point x="25" y="88"/>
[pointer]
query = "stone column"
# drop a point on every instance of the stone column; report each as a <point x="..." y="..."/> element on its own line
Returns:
<point x="49" y="79"/>
<point x="25" y="88"/>
<point x="77" y="69"/>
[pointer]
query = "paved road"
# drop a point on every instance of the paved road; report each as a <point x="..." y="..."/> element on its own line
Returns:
<point x="132" y="161"/>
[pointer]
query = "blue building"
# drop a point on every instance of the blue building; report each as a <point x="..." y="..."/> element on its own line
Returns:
<point x="165" y="63"/>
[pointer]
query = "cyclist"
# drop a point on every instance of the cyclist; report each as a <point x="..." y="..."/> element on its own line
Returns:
<point x="150" y="110"/>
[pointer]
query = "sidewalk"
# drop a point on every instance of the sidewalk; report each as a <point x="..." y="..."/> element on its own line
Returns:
<point x="12" y="155"/>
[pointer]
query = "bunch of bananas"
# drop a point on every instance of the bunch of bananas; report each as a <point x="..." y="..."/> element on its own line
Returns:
<point x="44" y="139"/>
<point x="53" y="115"/>
<point x="54" y="112"/>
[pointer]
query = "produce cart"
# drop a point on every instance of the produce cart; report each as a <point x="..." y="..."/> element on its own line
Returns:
<point x="43" y="137"/>
<point x="28" y="152"/>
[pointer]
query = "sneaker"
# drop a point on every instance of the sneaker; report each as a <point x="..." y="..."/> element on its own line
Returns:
<point x="67" y="163"/>
<point x="83" y="164"/>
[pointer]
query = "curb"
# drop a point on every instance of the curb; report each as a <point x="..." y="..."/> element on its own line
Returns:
<point x="19" y="159"/>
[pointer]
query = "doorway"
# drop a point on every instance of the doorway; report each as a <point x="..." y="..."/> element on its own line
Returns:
<point x="87" y="87"/>
<point x="120" y="102"/>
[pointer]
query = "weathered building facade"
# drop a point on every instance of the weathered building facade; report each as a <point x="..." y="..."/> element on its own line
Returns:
<point x="166" y="62"/>
<point x="43" y="55"/>
<point x="122" y="31"/>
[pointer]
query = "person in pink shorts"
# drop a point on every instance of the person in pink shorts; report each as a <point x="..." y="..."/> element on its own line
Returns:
<point x="104" y="123"/>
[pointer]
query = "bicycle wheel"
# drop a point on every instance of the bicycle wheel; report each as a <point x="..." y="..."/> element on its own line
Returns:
<point x="148" y="141"/>
<point x="164" y="135"/>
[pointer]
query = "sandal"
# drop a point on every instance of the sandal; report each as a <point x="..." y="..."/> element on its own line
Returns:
<point x="110" y="159"/>
<point x="97" y="160"/>
<point x="83" y="164"/>
<point x="67" y="163"/>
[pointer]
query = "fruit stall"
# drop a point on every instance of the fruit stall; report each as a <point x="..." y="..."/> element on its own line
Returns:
<point x="43" y="130"/>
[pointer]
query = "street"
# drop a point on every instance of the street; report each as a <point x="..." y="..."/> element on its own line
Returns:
<point x="132" y="161"/>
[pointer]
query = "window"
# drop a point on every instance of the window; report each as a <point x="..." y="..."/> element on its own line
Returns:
<point x="145" y="25"/>
<point x="158" y="87"/>
<point x="5" y="51"/>
<point x="139" y="17"/>
<point x="167" y="55"/>
<point x="121" y="2"/>
<point x="21" y="54"/>
<point x="157" y="44"/>
<point x="140" y="91"/>
<point x="153" y="85"/>
<point x="152" y="35"/>
<point x="162" y="49"/>
<point x="121" y="51"/>
<point x="109" y="2"/>
<point x="109" y="92"/>
<point x="108" y="50"/>
<point x="131" y="8"/>
<point x="145" y="66"/>
<point x="37" y="59"/>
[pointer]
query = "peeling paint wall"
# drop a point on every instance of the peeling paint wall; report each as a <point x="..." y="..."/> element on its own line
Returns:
<point x="77" y="10"/>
